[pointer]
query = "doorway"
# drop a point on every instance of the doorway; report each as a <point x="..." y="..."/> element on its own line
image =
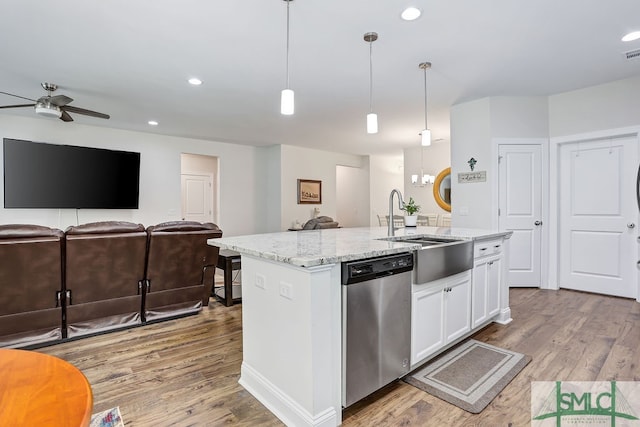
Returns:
<point x="352" y="196"/>
<point x="199" y="188"/>
<point x="598" y="216"/>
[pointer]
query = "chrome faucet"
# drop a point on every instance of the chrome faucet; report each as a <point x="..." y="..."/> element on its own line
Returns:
<point x="391" y="230"/>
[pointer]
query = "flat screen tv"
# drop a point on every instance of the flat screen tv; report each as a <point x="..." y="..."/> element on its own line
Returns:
<point x="39" y="175"/>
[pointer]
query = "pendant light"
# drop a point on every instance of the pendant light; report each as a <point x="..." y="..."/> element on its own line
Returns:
<point x="426" y="133"/>
<point x="372" y="118"/>
<point x="287" y="95"/>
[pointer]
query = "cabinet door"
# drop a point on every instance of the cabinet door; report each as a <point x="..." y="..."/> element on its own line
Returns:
<point x="427" y="331"/>
<point x="494" y="270"/>
<point x="457" y="298"/>
<point x="479" y="285"/>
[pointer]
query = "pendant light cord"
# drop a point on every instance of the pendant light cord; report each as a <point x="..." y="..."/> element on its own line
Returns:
<point x="371" y="76"/>
<point x="425" y="98"/>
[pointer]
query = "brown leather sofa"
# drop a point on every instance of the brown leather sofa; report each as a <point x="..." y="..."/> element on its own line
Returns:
<point x="105" y="266"/>
<point x="31" y="285"/>
<point x="99" y="277"/>
<point x="180" y="268"/>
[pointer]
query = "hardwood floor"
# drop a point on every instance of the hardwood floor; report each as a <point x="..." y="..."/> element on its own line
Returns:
<point x="185" y="372"/>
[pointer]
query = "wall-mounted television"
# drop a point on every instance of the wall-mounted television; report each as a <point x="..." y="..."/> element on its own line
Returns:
<point x="40" y="175"/>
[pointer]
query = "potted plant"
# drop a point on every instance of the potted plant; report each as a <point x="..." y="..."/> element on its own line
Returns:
<point x="410" y="219"/>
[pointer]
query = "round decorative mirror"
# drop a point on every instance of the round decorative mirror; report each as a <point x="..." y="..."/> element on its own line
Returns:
<point x="442" y="189"/>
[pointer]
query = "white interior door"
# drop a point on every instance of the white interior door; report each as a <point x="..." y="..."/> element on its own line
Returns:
<point x="598" y="216"/>
<point x="197" y="192"/>
<point x="520" y="203"/>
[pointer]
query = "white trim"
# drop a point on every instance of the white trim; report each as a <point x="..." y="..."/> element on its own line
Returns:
<point x="554" y="150"/>
<point x="504" y="318"/>
<point x="280" y="404"/>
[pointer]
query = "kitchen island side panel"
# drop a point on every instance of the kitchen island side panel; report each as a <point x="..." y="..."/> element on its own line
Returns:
<point x="291" y="320"/>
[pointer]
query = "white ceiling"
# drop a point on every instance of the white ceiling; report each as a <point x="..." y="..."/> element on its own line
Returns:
<point x="131" y="59"/>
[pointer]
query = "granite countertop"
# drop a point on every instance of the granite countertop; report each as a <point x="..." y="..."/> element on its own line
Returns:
<point x="311" y="248"/>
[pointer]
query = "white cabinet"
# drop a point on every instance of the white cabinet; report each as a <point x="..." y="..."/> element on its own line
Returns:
<point x="486" y="281"/>
<point x="441" y="313"/>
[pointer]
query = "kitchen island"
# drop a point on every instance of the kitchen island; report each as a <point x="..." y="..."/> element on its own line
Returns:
<point x="292" y="312"/>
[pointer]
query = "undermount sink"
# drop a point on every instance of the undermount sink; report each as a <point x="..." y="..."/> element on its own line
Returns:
<point x="440" y="257"/>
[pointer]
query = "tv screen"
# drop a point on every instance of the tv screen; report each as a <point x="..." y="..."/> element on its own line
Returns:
<point x="38" y="175"/>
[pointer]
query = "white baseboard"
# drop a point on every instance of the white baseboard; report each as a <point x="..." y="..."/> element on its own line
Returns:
<point x="505" y="316"/>
<point x="282" y="405"/>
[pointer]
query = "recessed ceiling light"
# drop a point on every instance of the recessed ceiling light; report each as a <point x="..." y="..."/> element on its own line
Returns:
<point x="410" y="13"/>
<point x="195" y="81"/>
<point x="631" y="36"/>
<point x="152" y="123"/>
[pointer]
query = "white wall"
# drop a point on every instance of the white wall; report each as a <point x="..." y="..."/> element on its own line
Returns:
<point x="240" y="187"/>
<point x="386" y="173"/>
<point x="608" y="106"/>
<point x="470" y="137"/>
<point x="435" y="158"/>
<point x="272" y="174"/>
<point x="475" y="126"/>
<point x="304" y="163"/>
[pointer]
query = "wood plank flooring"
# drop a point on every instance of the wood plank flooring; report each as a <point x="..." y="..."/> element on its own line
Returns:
<point x="185" y="372"/>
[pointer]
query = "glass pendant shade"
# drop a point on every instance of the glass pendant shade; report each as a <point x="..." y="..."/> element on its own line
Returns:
<point x="372" y="123"/>
<point x="426" y="137"/>
<point x="287" y="102"/>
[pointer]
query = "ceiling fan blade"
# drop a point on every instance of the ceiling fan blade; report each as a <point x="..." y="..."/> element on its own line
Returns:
<point x="18" y="96"/>
<point x="18" y="106"/>
<point x="60" y="100"/>
<point x="77" y="110"/>
<point x="65" y="117"/>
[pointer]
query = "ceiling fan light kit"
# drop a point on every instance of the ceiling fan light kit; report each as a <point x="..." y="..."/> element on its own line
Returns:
<point x="48" y="110"/>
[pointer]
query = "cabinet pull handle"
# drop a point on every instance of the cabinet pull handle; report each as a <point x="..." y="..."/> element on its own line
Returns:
<point x="497" y="246"/>
<point x="483" y="249"/>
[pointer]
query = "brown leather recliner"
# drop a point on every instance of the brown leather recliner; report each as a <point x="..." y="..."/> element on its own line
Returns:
<point x="105" y="264"/>
<point x="31" y="285"/>
<point x="180" y="268"/>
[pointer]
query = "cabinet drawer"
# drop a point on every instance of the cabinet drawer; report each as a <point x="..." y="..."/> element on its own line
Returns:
<point x="487" y="247"/>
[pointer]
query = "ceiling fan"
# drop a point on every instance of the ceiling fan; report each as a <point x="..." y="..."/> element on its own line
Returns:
<point x="54" y="106"/>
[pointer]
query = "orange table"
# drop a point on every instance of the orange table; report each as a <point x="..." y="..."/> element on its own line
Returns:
<point x="41" y="390"/>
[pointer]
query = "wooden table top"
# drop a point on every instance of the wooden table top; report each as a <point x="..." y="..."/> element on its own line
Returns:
<point x="41" y="390"/>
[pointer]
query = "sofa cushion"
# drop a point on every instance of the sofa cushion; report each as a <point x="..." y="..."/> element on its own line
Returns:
<point x="183" y="226"/>
<point x="19" y="231"/>
<point x="105" y="227"/>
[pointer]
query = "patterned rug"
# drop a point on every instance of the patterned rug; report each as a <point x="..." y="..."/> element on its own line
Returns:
<point x="109" y="418"/>
<point x="470" y="375"/>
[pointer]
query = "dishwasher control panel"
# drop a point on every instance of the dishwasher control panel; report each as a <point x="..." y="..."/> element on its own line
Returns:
<point x="370" y="268"/>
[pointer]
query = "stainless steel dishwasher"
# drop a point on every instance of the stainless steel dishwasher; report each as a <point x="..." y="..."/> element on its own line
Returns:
<point x="376" y="324"/>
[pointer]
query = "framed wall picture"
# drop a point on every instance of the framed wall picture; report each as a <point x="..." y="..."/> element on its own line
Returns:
<point x="309" y="191"/>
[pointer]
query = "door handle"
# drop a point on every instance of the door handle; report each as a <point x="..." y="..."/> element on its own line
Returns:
<point x="631" y="225"/>
<point x="537" y="223"/>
